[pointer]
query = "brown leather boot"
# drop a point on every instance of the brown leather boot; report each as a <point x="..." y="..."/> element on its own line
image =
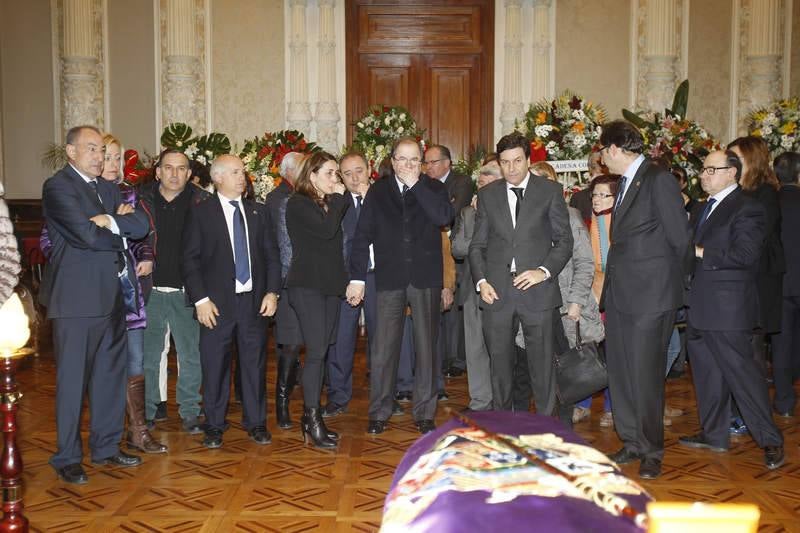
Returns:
<point x="138" y="435"/>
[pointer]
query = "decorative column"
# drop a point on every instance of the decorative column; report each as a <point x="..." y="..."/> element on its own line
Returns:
<point x="512" y="108"/>
<point x="658" y="44"/>
<point x="298" y="115"/>
<point x="541" y="86"/>
<point x="183" y="71"/>
<point x="761" y="55"/>
<point x="327" y="116"/>
<point x="82" y="96"/>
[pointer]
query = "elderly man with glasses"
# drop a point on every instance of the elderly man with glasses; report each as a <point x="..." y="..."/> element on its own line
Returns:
<point x="402" y="217"/>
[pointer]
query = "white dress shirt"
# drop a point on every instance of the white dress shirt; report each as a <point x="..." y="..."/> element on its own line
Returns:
<point x="371" y="249"/>
<point x="113" y="223"/>
<point x="721" y="195"/>
<point x="629" y="174"/>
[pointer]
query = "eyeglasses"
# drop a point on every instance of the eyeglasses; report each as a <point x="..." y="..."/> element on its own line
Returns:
<point x="712" y="170"/>
<point x="404" y="160"/>
<point x="602" y="195"/>
<point x="600" y="151"/>
<point x="432" y="161"/>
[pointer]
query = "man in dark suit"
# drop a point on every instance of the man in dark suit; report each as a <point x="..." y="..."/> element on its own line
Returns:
<point x="81" y="289"/>
<point x="522" y="240"/>
<point x="786" y="353"/>
<point x="451" y="348"/>
<point x="355" y="176"/>
<point x="402" y="218"/>
<point x="647" y="262"/>
<point x="231" y="267"/>
<point x="729" y="232"/>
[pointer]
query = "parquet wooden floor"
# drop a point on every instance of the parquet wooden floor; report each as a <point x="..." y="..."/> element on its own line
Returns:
<point x="287" y="487"/>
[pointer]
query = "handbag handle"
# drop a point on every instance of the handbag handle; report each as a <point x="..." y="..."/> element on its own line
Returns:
<point x="578" y="339"/>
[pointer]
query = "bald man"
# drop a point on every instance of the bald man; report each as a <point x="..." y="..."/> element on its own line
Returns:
<point x="231" y="267"/>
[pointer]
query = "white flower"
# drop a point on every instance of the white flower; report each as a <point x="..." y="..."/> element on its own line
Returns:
<point x="387" y="121"/>
<point x="579" y="141"/>
<point x="771" y="120"/>
<point x="579" y="114"/>
<point x="247" y="159"/>
<point x="379" y="149"/>
<point x="543" y="130"/>
<point x="191" y="150"/>
<point x="400" y="129"/>
<point x="694" y="181"/>
<point x="766" y="130"/>
<point x="402" y="116"/>
<point x="550" y="146"/>
<point x="360" y="125"/>
<point x="202" y="159"/>
<point x="786" y="142"/>
<point x="209" y="153"/>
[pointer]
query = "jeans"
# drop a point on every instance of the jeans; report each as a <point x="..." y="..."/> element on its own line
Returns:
<point x="135" y="352"/>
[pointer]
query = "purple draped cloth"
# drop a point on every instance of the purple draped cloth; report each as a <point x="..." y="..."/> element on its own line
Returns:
<point x="457" y="512"/>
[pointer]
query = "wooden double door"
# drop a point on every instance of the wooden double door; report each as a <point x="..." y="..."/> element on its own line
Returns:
<point x="433" y="57"/>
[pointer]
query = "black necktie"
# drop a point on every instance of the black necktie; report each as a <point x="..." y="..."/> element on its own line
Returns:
<point x="622" y="183"/>
<point x="93" y="185"/>
<point x="358" y="206"/>
<point x="518" y="191"/>
<point x="706" y="212"/>
<point x="240" y="255"/>
<point x="405" y="190"/>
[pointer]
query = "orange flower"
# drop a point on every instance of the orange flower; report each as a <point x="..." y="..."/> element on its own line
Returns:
<point x="541" y="117"/>
<point x="578" y="127"/>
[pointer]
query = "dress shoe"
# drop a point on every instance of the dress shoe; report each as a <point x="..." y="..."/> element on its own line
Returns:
<point x="700" y="441"/>
<point x="73" y="473"/>
<point x="333" y="409"/>
<point x="260" y="435"/>
<point x="313" y="429"/>
<point x="650" y="468"/>
<point x="738" y="427"/>
<point x="119" y="459"/>
<point x="624" y="456"/>
<point x="442" y="396"/>
<point x="454" y="372"/>
<point x="425" y="426"/>
<point x="773" y="457"/>
<point x="403" y="396"/>
<point x="192" y="426"/>
<point x="397" y="409"/>
<point x="376" y="427"/>
<point x="672" y="412"/>
<point x="161" y="412"/>
<point x="789" y="413"/>
<point x="213" y="439"/>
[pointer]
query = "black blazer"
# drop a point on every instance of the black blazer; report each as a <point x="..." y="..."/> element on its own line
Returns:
<point x="723" y="289"/>
<point x="650" y="253"/>
<point x="790" y="237"/>
<point x="459" y="189"/>
<point x="81" y="276"/>
<point x="316" y="235"/>
<point x="542" y="237"/>
<point x="207" y="264"/>
<point x="405" y="233"/>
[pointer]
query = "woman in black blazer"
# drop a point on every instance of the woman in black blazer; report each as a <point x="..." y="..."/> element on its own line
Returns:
<point x="316" y="279"/>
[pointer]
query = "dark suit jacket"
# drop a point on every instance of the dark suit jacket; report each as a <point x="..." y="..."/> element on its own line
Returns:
<point x="459" y="189"/>
<point x="317" y="252"/>
<point x="772" y="263"/>
<point x="723" y="288"/>
<point x="349" y="223"/>
<point x="542" y="237"/>
<point x="81" y="276"/>
<point x="790" y="237"/>
<point x="582" y="201"/>
<point x="275" y="204"/>
<point x="650" y="252"/>
<point x="405" y="234"/>
<point x="207" y="265"/>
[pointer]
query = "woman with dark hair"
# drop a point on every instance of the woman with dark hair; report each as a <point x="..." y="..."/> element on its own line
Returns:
<point x="316" y="280"/>
<point x="683" y="181"/>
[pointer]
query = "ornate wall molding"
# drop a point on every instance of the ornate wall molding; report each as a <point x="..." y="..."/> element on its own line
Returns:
<point x="182" y="64"/>
<point x="659" y="51"/>
<point x="327" y="112"/>
<point x="81" y="76"/>
<point x="298" y="113"/>
<point x="761" y="49"/>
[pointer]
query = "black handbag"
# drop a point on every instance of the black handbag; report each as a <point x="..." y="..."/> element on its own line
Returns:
<point x="580" y="371"/>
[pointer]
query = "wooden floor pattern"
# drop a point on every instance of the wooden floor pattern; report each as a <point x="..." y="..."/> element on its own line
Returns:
<point x="288" y="487"/>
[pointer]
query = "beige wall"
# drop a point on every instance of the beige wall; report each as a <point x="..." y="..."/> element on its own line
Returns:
<point x="710" y="65"/>
<point x="794" y="78"/>
<point x="247" y="64"/>
<point x="593" y="51"/>
<point x="132" y="73"/>
<point x="26" y="84"/>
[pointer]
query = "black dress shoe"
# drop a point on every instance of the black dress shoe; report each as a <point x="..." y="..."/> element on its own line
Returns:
<point x="119" y="459"/>
<point x="650" y="468"/>
<point x="624" y="456"/>
<point x="454" y="372"/>
<point x="442" y="396"/>
<point x="260" y="435"/>
<point x="397" y="409"/>
<point x="161" y="412"/>
<point x="376" y="426"/>
<point x="403" y="396"/>
<point x="773" y="457"/>
<point x="333" y="409"/>
<point x="700" y="441"/>
<point x="192" y="426"/>
<point x="73" y="473"/>
<point x="213" y="439"/>
<point x="425" y="426"/>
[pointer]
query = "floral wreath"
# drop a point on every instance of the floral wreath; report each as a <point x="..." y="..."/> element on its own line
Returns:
<point x="202" y="149"/>
<point x="777" y="124"/>
<point x="376" y="131"/>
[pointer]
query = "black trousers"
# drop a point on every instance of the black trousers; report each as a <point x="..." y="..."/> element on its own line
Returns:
<point x="391" y="309"/>
<point x="91" y="356"/>
<point x="249" y="330"/>
<point x="786" y="355"/>
<point x="318" y="315"/>
<point x="723" y="366"/>
<point x="636" y="355"/>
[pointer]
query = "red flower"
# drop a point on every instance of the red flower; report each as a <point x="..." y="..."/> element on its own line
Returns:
<point x="376" y="112"/>
<point x="386" y="109"/>
<point x="538" y="152"/>
<point x="377" y="131"/>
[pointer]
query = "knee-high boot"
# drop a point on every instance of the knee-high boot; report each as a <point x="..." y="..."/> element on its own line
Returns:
<point x="138" y="435"/>
<point x="283" y="389"/>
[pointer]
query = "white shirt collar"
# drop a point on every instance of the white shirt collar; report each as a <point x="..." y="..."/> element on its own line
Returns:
<point x="226" y="201"/>
<point x="523" y="184"/>
<point x="400" y="184"/>
<point x="86" y="178"/>
<point x="444" y="178"/>
<point x="630" y="172"/>
<point x="721" y="195"/>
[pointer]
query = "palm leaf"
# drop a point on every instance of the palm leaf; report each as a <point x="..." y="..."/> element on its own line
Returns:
<point x="681" y="100"/>
<point x="176" y="135"/>
<point x="634" y="119"/>
<point x="55" y="156"/>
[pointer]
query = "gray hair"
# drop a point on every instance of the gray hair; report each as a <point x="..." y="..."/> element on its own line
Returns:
<point x="290" y="162"/>
<point x="492" y="170"/>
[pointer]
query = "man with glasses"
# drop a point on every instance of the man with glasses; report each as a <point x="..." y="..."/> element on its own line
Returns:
<point x="728" y="238"/>
<point x="643" y="289"/>
<point x="402" y="217"/>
